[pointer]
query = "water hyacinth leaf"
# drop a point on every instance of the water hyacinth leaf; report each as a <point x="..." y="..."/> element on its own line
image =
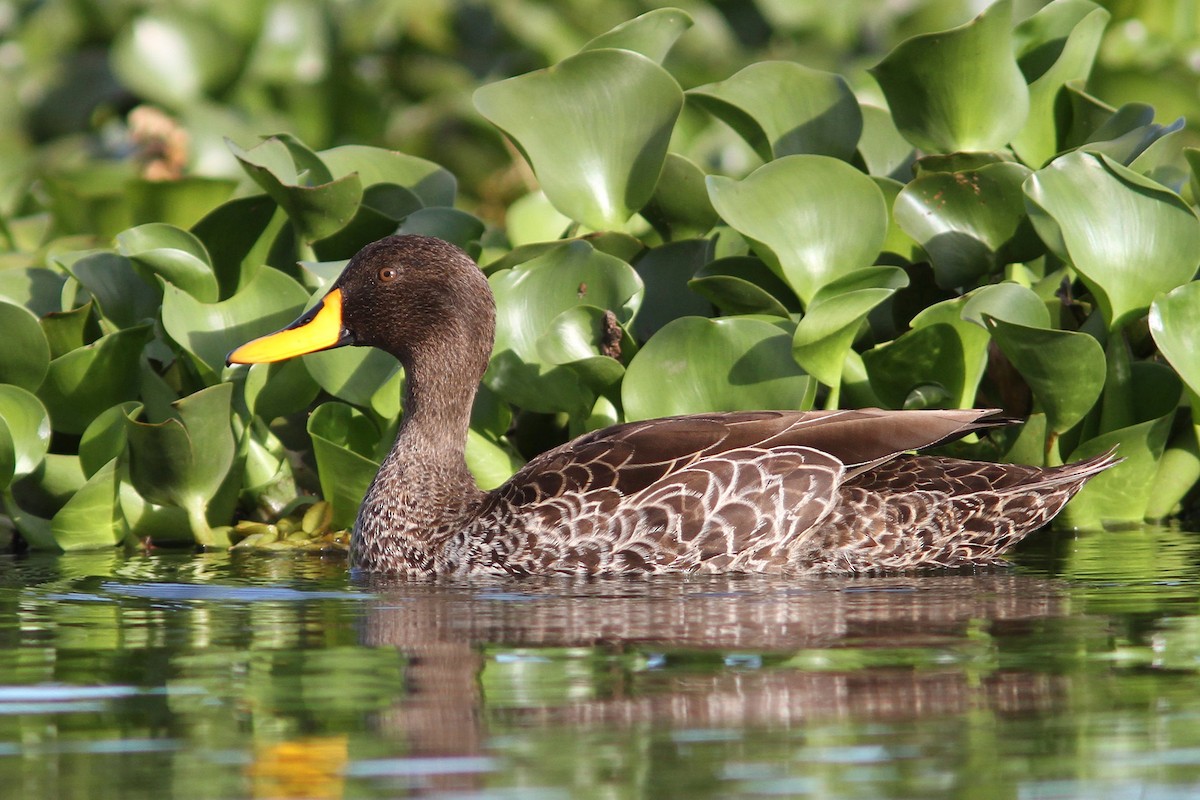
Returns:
<point x="812" y="218"/>
<point x="744" y="285"/>
<point x="491" y="462"/>
<point x="28" y="426"/>
<point x="958" y="90"/>
<point x="315" y="211"/>
<point x="276" y="390"/>
<point x="237" y="236"/>
<point x="1056" y="45"/>
<point x="358" y="375"/>
<point x="340" y="436"/>
<point x="8" y="455"/>
<point x="182" y="201"/>
<point x="665" y="272"/>
<point x="932" y="355"/>
<point x="292" y="47"/>
<point x="1010" y="302"/>
<point x="782" y="108"/>
<point x="826" y="332"/>
<point x="172" y="253"/>
<point x="148" y="522"/>
<point x="184" y="461"/>
<point x="614" y="112"/>
<point x="69" y="330"/>
<point x="82" y="384"/>
<point x="125" y="298"/>
<point x="882" y="148"/>
<point x="1120" y="494"/>
<point x="970" y="223"/>
<point x="105" y="437"/>
<point x="383" y="207"/>
<point x="728" y="364"/>
<point x="1178" y="471"/>
<point x="1129" y="238"/>
<point x="680" y="208"/>
<point x="652" y="34"/>
<point x="1064" y="369"/>
<point x="1163" y="161"/>
<point x="37" y="288"/>
<point x="172" y="57"/>
<point x="1174" y="320"/>
<point x="450" y="224"/>
<point x="208" y="331"/>
<point x="529" y="297"/>
<point x="533" y="219"/>
<point x="91" y="519"/>
<point x="432" y="184"/>
<point x="576" y="338"/>
<point x="25" y="357"/>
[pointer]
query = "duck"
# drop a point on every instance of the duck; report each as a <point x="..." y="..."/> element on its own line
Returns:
<point x="771" y="491"/>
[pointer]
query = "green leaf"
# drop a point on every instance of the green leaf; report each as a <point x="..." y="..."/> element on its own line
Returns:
<point x="666" y="271"/>
<point x="695" y="365"/>
<point x="1129" y="238"/>
<point x="316" y="211"/>
<point x="529" y="297"/>
<point x="782" y="108"/>
<point x="883" y="149"/>
<point x="1056" y="45"/>
<point x="35" y="288"/>
<point x="614" y="110"/>
<point x="92" y="518"/>
<point x="208" y="331"/>
<point x="27" y="424"/>
<point x="276" y="390"/>
<point x="172" y="57"/>
<point x="85" y="382"/>
<point x="431" y="183"/>
<point x="293" y="46"/>
<point x="65" y="331"/>
<point x="184" y="461"/>
<point x="105" y="437"/>
<point x="365" y="377"/>
<point x="238" y="235"/>
<point x="1064" y="369"/>
<point x="490" y="462"/>
<point x="970" y="223"/>
<point x="744" y="285"/>
<point x="680" y="208"/>
<point x="25" y="357"/>
<point x="1121" y="494"/>
<point x="958" y="90"/>
<point x="340" y="436"/>
<point x="812" y="218"/>
<point x="1174" y="321"/>
<point x="125" y="298"/>
<point x="450" y="224"/>
<point x="574" y="339"/>
<point x="652" y="34"/>
<point x="172" y="253"/>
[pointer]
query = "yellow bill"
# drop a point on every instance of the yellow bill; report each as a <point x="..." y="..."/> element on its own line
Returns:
<point x="319" y="329"/>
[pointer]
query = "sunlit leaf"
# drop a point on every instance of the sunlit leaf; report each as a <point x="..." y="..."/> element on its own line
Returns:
<point x="613" y="115"/>
<point x="25" y="356"/>
<point x="1064" y="369"/>
<point x="82" y="384"/>
<point x="959" y="89"/>
<point x="652" y="34"/>
<point x="1056" y="45"/>
<point x="1129" y="237"/>
<point x="680" y="207"/>
<point x="782" y="108"/>
<point x="490" y="462"/>
<point x="91" y="518"/>
<point x="105" y="437"/>
<point x="970" y="223"/>
<point x="1174" y="323"/>
<point x="814" y="218"/>
<point x="125" y="297"/>
<point x="694" y="365"/>
<point x="172" y="253"/>
<point x="340" y="435"/>
<point x="172" y="57"/>
<point x="744" y="285"/>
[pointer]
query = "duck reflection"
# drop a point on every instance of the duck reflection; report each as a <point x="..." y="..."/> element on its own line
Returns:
<point x="712" y="653"/>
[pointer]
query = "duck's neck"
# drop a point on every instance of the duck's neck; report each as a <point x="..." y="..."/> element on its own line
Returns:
<point x="423" y="493"/>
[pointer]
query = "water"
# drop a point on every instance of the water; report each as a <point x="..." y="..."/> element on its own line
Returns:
<point x="1073" y="675"/>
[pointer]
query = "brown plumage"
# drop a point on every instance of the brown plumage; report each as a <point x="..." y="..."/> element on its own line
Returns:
<point x="760" y="491"/>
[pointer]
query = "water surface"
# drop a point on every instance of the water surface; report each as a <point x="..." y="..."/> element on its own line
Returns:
<point x="1071" y="675"/>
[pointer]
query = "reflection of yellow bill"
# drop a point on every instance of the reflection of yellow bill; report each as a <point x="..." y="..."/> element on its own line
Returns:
<point x="319" y="329"/>
<point x="310" y="768"/>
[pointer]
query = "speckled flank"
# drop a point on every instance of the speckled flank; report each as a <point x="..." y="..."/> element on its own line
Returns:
<point x="763" y="491"/>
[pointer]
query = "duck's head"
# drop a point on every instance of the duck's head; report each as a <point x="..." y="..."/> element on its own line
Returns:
<point x="412" y="296"/>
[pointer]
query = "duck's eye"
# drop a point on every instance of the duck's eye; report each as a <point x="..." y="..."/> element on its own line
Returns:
<point x="388" y="274"/>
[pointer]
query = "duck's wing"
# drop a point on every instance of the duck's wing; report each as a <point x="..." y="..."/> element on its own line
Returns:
<point x="631" y="457"/>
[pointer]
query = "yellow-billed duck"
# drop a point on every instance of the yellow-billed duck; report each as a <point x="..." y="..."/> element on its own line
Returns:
<point x="756" y="491"/>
